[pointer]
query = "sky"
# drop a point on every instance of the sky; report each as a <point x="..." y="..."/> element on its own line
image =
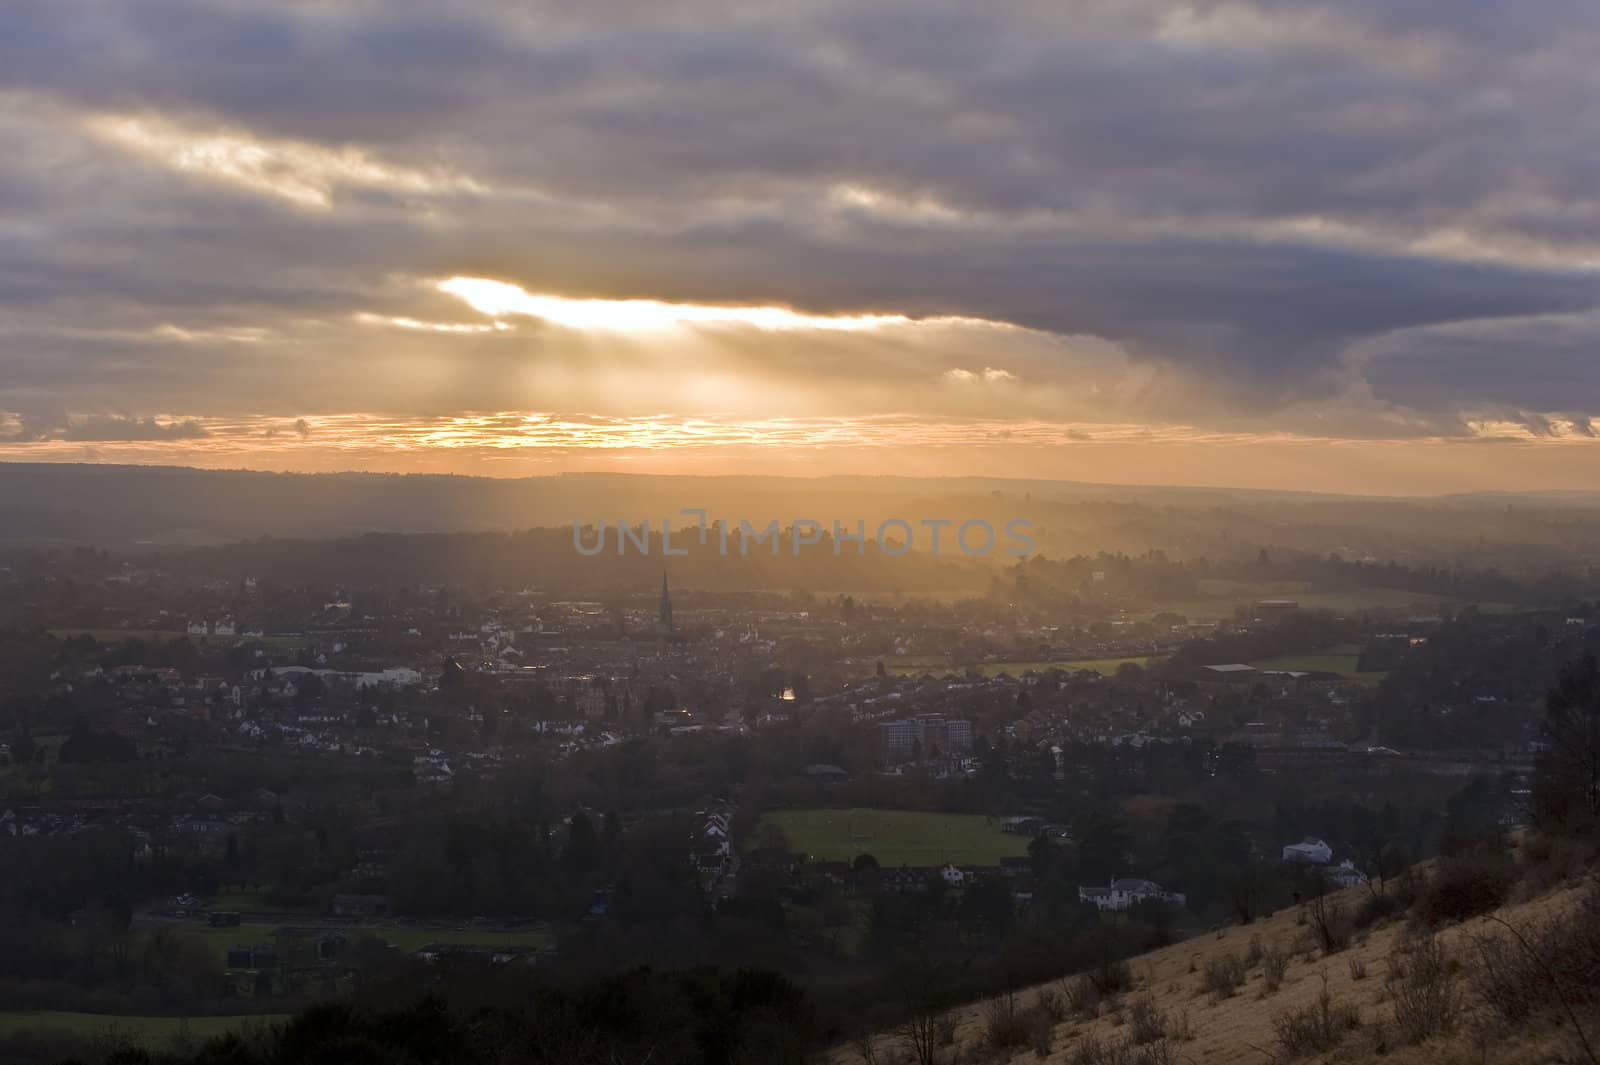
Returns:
<point x="1347" y="245"/>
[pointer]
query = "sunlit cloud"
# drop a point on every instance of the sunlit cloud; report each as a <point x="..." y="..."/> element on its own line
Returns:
<point x="988" y="375"/>
<point x="522" y="443"/>
<point x="304" y="173"/>
<point x="500" y="299"/>
<point x="417" y="325"/>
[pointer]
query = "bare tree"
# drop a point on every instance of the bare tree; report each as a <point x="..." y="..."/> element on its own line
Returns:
<point x="1567" y="788"/>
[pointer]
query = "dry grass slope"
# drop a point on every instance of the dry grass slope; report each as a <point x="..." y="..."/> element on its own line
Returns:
<point x="1272" y="992"/>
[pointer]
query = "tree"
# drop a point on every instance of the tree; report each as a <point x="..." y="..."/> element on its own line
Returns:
<point x="1102" y="845"/>
<point x="1567" y="785"/>
<point x="583" y="845"/>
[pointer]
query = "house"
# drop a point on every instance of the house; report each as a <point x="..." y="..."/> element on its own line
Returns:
<point x="360" y="905"/>
<point x="907" y="878"/>
<point x="1124" y="893"/>
<point x="1344" y="875"/>
<point x="1309" y="851"/>
<point x="836" y="872"/>
<point x="1010" y="868"/>
<point x="252" y="956"/>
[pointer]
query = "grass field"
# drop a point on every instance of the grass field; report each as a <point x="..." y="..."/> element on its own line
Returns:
<point x="164" y="636"/>
<point x="248" y="902"/>
<point x="408" y="938"/>
<point x="939" y="667"/>
<point x="1221" y="598"/>
<point x="896" y="837"/>
<point x="149" y="1031"/>
<point x="1338" y="660"/>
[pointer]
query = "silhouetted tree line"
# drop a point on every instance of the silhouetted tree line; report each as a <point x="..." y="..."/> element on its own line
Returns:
<point x="642" y="1017"/>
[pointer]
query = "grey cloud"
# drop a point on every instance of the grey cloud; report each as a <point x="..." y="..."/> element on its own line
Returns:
<point x="104" y="428"/>
<point x="687" y="154"/>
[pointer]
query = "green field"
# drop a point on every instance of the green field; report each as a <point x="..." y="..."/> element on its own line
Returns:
<point x="1221" y="598"/>
<point x="414" y="939"/>
<point x="407" y="938"/>
<point x="149" y="1031"/>
<point x="250" y="902"/>
<point x="165" y="636"/>
<point x="896" y="837"/>
<point x="1340" y="660"/>
<point x="939" y="667"/>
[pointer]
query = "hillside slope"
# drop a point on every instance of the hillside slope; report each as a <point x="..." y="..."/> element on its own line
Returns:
<point x="1178" y="1008"/>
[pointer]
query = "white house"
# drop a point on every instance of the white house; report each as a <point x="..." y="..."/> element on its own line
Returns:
<point x="1308" y="851"/>
<point x="1344" y="875"/>
<point x="1124" y="892"/>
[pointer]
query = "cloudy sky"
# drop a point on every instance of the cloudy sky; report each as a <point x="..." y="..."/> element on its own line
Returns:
<point x="1348" y="245"/>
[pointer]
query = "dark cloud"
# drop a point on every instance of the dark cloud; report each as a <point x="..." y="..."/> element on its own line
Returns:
<point x="104" y="428"/>
<point x="1253" y="201"/>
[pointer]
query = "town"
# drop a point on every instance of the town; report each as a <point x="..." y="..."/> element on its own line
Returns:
<point x="320" y="787"/>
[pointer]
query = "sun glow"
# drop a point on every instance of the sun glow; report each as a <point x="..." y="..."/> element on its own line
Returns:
<point x="499" y="299"/>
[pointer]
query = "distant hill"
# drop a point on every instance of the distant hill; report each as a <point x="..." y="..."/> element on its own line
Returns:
<point x="154" y="507"/>
<point x="105" y="504"/>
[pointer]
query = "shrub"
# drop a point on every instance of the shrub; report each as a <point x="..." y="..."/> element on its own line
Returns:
<point x="1005" y="1025"/>
<point x="1519" y="973"/>
<point x="1473" y="882"/>
<point x="1375" y="908"/>
<point x="1252" y="954"/>
<point x="1428" y="1000"/>
<point x="1112" y="978"/>
<point x="1052" y="1004"/>
<point x="1146" y="1023"/>
<point x="1329" y="924"/>
<point x="1222" y="976"/>
<point x="1274" y="964"/>
<point x="1315" y="1027"/>
<point x="1158" y="1053"/>
<point x="1081" y="997"/>
<point x="1091" y="1050"/>
<point x="1358" y="969"/>
<point x="1041" y="1034"/>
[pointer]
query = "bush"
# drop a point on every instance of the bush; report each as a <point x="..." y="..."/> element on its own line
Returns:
<point x="1005" y="1025"/>
<point x="1158" y="1053"/>
<point x="1146" y="1023"/>
<point x="1315" y="1027"/>
<point x="1052" y="1004"/>
<point x="1091" y="1050"/>
<point x="1427" y="1001"/>
<point x="1274" y="964"/>
<point x="1471" y="883"/>
<point x="1081" y="997"/>
<point x="1552" y="964"/>
<point x="1112" y="978"/>
<point x="1008" y="1026"/>
<point x="1375" y="908"/>
<point x="1041" y="1034"/>
<point x="1222" y="976"/>
<point x="1358" y="969"/>
<point x="1329" y="924"/>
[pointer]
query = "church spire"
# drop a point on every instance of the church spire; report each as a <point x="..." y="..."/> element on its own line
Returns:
<point x="664" y="614"/>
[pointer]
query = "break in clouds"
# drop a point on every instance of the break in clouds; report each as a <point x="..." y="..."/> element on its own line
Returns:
<point x="1349" y="221"/>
